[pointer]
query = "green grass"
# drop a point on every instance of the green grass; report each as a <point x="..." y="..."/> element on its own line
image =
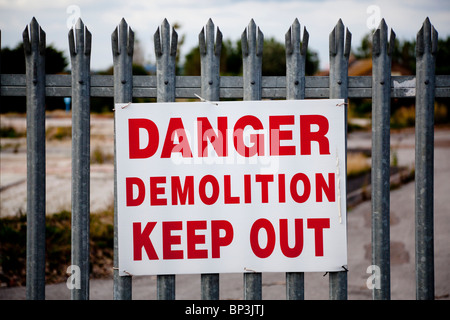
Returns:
<point x="11" y="132"/>
<point x="58" y="247"/>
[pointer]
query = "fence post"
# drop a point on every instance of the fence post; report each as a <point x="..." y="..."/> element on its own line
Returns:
<point x="295" y="89"/>
<point x="426" y="49"/>
<point x="80" y="54"/>
<point x="381" y="113"/>
<point x="210" y="82"/>
<point x="122" y="41"/>
<point x="34" y="45"/>
<point x="339" y="54"/>
<point x="165" y="51"/>
<point x="0" y="69"/>
<point x="252" y="50"/>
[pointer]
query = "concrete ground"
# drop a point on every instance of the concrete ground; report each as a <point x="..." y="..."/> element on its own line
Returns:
<point x="359" y="244"/>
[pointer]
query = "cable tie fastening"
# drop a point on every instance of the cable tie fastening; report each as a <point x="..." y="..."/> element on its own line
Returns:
<point x="204" y="100"/>
<point x="123" y="107"/>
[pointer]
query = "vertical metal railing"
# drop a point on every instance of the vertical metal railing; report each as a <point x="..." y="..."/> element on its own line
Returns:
<point x="80" y="55"/>
<point x="426" y="49"/>
<point x="210" y="90"/>
<point x="295" y="89"/>
<point x="122" y="42"/>
<point x="340" y="45"/>
<point x="381" y="113"/>
<point x="34" y="45"/>
<point x="165" y="51"/>
<point x="252" y="49"/>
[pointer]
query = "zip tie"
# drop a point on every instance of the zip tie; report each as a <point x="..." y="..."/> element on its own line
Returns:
<point x="123" y="107"/>
<point x="115" y="268"/>
<point x="247" y="269"/>
<point x="343" y="267"/>
<point x="342" y="104"/>
<point x="204" y="100"/>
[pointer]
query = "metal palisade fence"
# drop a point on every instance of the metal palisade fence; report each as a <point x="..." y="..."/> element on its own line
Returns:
<point x="166" y="87"/>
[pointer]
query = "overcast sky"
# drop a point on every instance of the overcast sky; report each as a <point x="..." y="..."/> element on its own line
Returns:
<point x="274" y="18"/>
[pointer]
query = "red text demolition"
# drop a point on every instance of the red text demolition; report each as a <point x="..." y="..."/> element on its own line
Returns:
<point x="280" y="137"/>
<point x="222" y="234"/>
<point x="190" y="190"/>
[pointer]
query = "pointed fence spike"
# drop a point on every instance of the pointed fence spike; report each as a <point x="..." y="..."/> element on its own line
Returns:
<point x="87" y="42"/>
<point x="26" y="41"/>
<point x="244" y="43"/>
<point x="218" y="48"/>
<point x="288" y="41"/>
<point x="376" y="43"/>
<point x="348" y="43"/>
<point x="420" y="42"/>
<point x="72" y="48"/>
<point x="202" y="42"/>
<point x="210" y="23"/>
<point x="332" y="42"/>
<point x="130" y="45"/>
<point x="79" y="24"/>
<point x="115" y="42"/>
<point x="434" y="41"/>
<point x="305" y="41"/>
<point x="260" y="44"/>
<point x="391" y="43"/>
<point x="174" y="43"/>
<point x="296" y="33"/>
<point x="42" y="41"/>
<point x="157" y="41"/>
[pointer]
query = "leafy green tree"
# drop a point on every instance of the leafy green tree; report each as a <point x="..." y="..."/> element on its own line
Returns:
<point x="273" y="59"/>
<point x="443" y="57"/>
<point x="13" y="62"/>
<point x="364" y="50"/>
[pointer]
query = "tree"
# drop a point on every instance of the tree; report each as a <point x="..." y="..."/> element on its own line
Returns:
<point x="443" y="57"/>
<point x="404" y="53"/>
<point x="273" y="59"/>
<point x="13" y="62"/>
<point x="364" y="51"/>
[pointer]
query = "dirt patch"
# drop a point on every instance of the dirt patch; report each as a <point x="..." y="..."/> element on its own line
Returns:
<point x="399" y="254"/>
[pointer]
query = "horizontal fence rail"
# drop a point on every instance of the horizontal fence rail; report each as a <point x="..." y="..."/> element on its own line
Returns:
<point x="165" y="86"/>
<point x="231" y="87"/>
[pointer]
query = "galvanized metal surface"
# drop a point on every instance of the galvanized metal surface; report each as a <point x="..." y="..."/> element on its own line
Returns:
<point x="340" y="44"/>
<point x="166" y="87"/>
<point x="80" y="54"/>
<point x="165" y="51"/>
<point x="295" y="89"/>
<point x="34" y="45"/>
<point x="210" y="74"/>
<point x="426" y="49"/>
<point x="252" y="49"/>
<point x="273" y="87"/>
<point x="381" y="113"/>
<point x="122" y="42"/>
